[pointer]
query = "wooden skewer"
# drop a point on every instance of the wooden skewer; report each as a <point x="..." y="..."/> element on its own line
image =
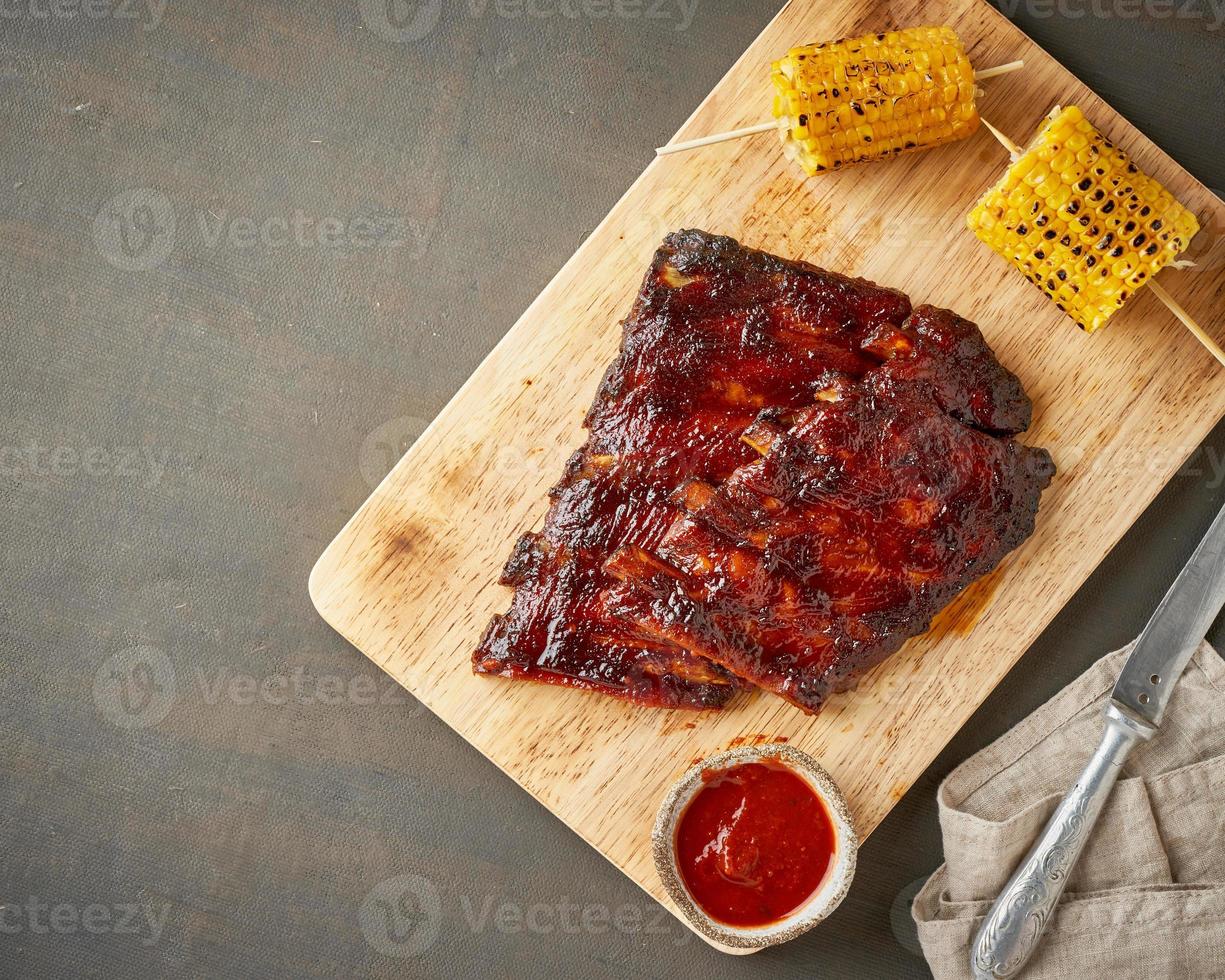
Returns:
<point x="1176" y="308"/>
<point x="1159" y="291"/>
<point x="734" y="134"/>
<point x="1012" y="148"/>
<point x="982" y="76"/>
<point x="765" y="127"/>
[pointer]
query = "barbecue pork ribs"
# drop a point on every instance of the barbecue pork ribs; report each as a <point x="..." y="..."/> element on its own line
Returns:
<point x="653" y="581"/>
<point x="718" y="333"/>
<point x="866" y="515"/>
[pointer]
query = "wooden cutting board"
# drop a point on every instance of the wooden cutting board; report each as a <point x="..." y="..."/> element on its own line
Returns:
<point x="411" y="580"/>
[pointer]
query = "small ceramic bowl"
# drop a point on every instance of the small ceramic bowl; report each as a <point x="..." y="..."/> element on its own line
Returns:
<point x="827" y="898"/>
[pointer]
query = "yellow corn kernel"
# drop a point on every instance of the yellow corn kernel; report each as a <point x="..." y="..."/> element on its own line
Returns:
<point x="867" y="98"/>
<point x="1086" y="226"/>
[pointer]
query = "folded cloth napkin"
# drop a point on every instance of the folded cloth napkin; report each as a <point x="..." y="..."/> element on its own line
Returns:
<point x="1147" y="899"/>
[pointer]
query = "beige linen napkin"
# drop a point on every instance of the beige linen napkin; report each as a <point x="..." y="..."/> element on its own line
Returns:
<point x="1148" y="897"/>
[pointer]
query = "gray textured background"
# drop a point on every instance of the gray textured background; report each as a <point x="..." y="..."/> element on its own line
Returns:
<point x="327" y="226"/>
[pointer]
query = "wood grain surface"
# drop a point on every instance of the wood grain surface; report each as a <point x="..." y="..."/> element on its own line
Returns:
<point x="411" y="580"/>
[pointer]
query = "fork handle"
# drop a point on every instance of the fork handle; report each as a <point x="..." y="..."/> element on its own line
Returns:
<point x="1013" y="928"/>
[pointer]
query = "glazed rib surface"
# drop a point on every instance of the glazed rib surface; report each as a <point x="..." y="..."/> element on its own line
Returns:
<point x="867" y="513"/>
<point x="717" y="334"/>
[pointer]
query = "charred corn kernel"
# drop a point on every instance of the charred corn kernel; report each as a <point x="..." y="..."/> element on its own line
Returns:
<point x="1081" y="221"/>
<point x="867" y="98"/>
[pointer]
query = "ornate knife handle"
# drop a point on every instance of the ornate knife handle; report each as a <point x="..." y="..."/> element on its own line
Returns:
<point x="1011" y="932"/>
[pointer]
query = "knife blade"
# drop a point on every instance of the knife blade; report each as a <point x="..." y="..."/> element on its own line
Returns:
<point x="1175" y="630"/>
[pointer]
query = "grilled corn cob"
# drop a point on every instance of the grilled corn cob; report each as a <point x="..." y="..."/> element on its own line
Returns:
<point x="1081" y="221"/>
<point x="866" y="98"/>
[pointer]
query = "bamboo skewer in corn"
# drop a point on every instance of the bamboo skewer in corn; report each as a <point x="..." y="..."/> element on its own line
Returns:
<point x="1084" y="223"/>
<point x="773" y="125"/>
<point x="866" y="98"/>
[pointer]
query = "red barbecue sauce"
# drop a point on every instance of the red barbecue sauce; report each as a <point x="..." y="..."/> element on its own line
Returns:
<point x="754" y="843"/>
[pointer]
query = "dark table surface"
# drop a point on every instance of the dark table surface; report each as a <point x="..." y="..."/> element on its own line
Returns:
<point x="249" y="249"/>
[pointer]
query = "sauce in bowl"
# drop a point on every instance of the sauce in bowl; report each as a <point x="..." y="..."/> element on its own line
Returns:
<point x="754" y="843"/>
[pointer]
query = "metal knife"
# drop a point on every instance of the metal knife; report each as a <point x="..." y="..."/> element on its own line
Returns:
<point x="1012" y="930"/>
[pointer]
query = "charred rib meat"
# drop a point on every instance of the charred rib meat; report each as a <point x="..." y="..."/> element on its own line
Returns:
<point x="867" y="513"/>
<point x="718" y="333"/>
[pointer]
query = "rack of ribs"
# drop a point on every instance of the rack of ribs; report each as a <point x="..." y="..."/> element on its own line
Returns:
<point x="718" y="333"/>
<point x="867" y="513"/>
<point x="787" y="473"/>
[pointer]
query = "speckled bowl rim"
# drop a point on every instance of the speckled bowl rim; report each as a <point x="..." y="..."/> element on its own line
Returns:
<point x="827" y="898"/>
